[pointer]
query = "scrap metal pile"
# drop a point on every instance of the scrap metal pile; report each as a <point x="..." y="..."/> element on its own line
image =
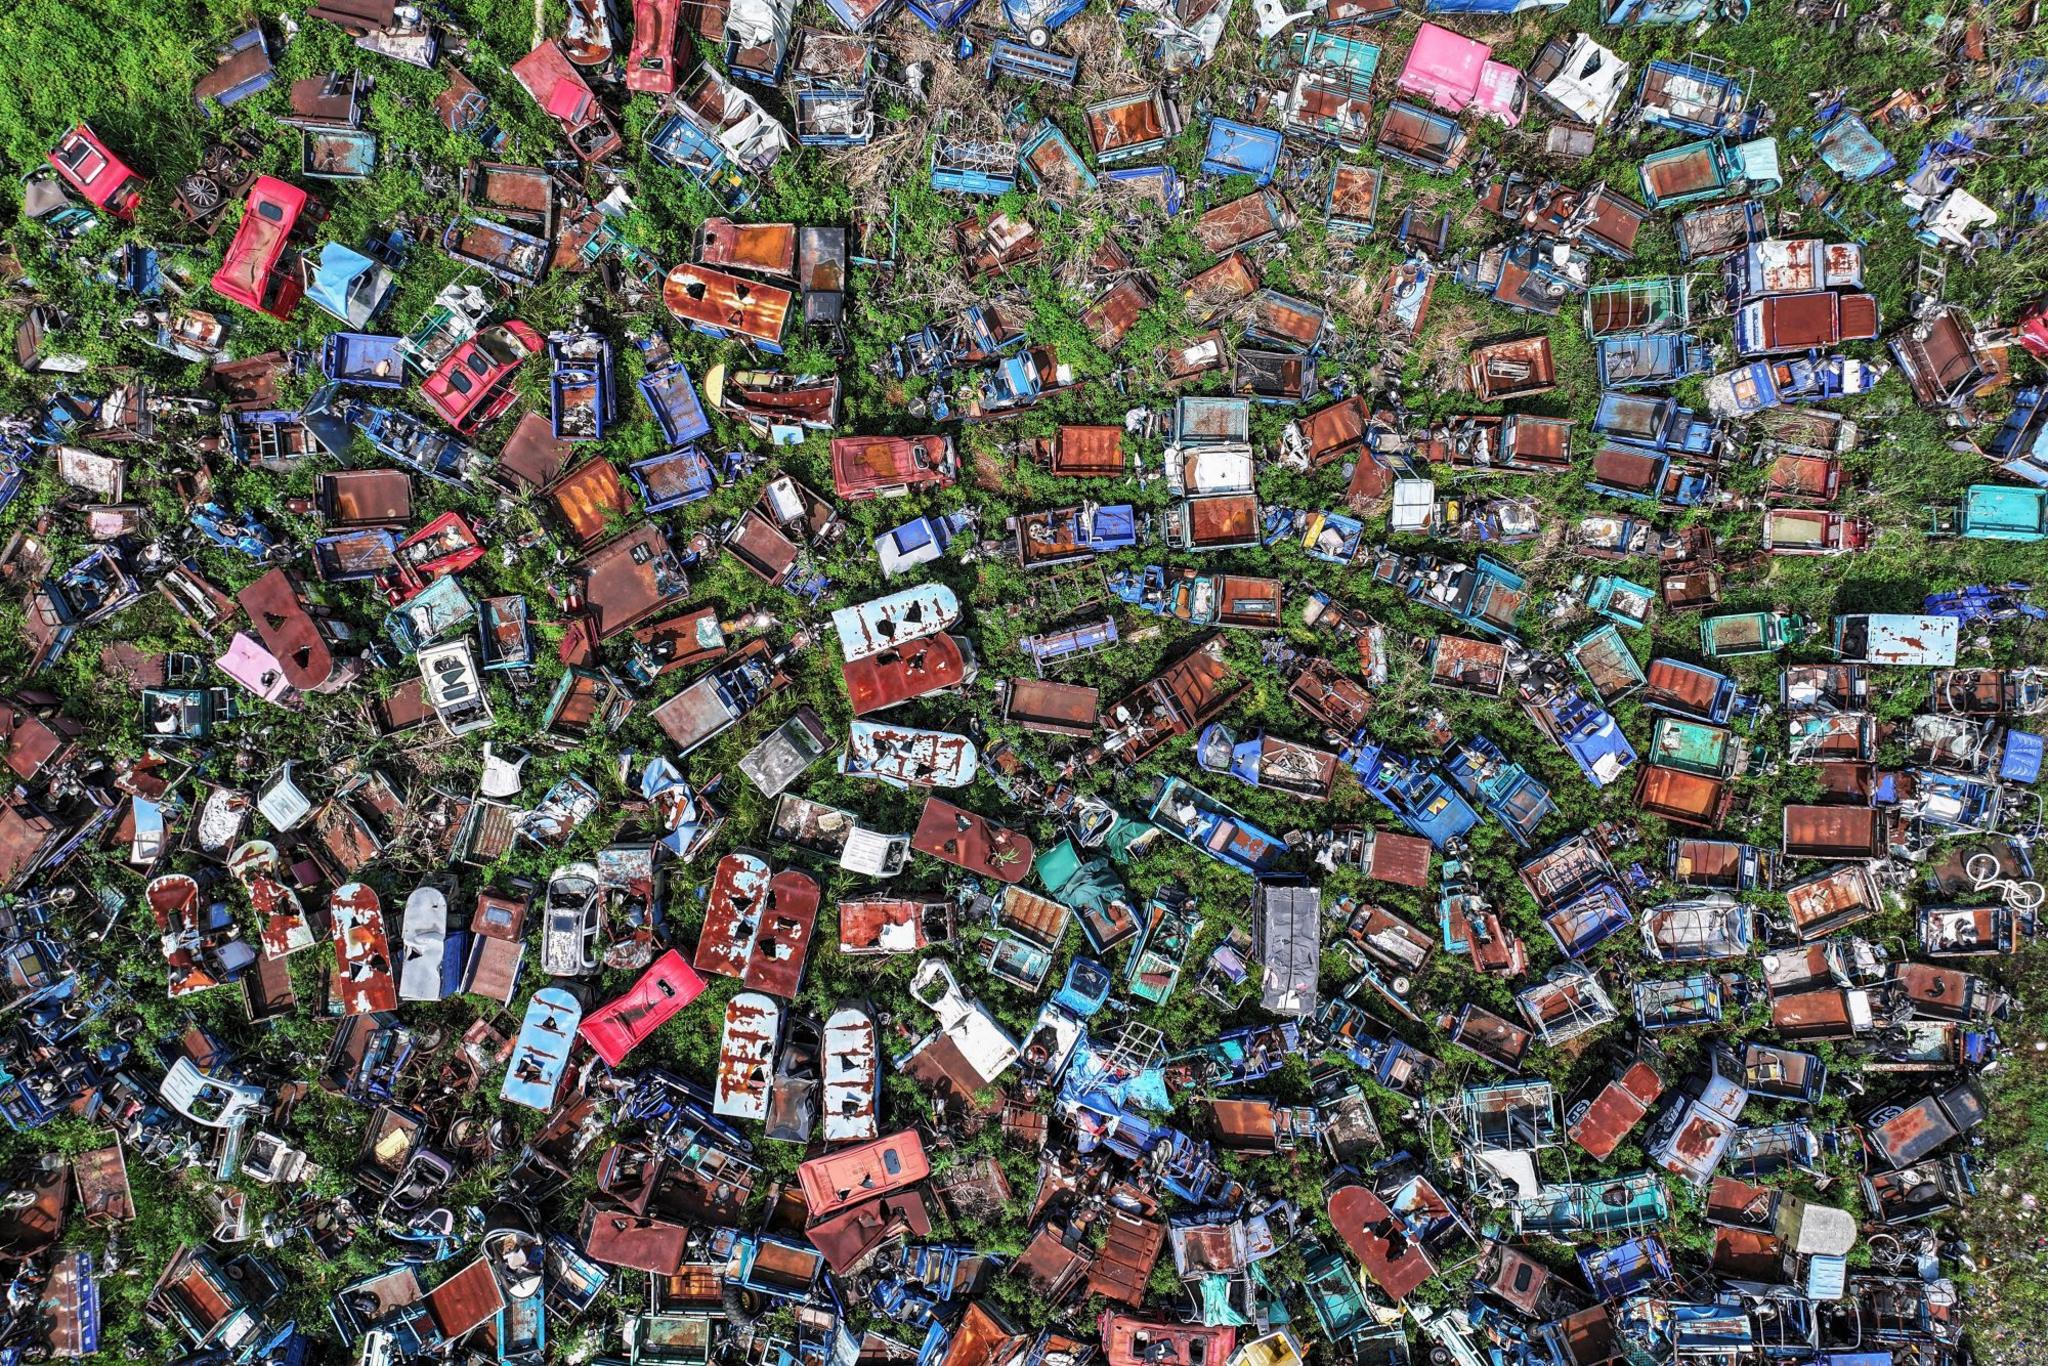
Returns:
<point x="565" y="882"/>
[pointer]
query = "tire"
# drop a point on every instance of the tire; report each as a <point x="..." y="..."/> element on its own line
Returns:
<point x="1040" y="37"/>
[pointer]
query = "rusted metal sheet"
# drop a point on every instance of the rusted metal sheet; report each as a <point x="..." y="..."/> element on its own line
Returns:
<point x="782" y="938"/>
<point x="764" y="248"/>
<point x="764" y="550"/>
<point x="1833" y="900"/>
<point x="1128" y="1340"/>
<point x="1241" y="223"/>
<point x="1615" y="1112"/>
<point x="1476" y="666"/>
<point x="1188" y="694"/>
<point x="1052" y="1266"/>
<point x="1338" y="702"/>
<point x="732" y="910"/>
<point x="911" y="757"/>
<point x="1054" y="708"/>
<point x="1500" y="1041"/>
<point x="636" y="1242"/>
<point x="1396" y="1263"/>
<point x="746" y="1056"/>
<point x="628" y="579"/>
<point x="1835" y="832"/>
<point x="854" y="1176"/>
<point x="1116" y="126"/>
<point x="591" y="498"/>
<point x="852" y="1076"/>
<point x="887" y="466"/>
<point x="101" y="1178"/>
<point x="1912" y="1134"/>
<point x="882" y="924"/>
<point x="899" y="675"/>
<point x="957" y="836"/>
<point x="895" y="620"/>
<point x="287" y="630"/>
<point x="1222" y="521"/>
<point x="715" y="300"/>
<point x="681" y="641"/>
<point x="1222" y="286"/>
<point x="1123" y="1269"/>
<point x="466" y="1300"/>
<point x="1036" y="917"/>
<point x="1828" y="1014"/>
<point x="362" y="953"/>
<point x="364" y="498"/>
<point x="532" y="457"/>
<point x="1687" y="798"/>
<point x="848" y="1241"/>
<point x="1112" y="316"/>
<point x="1086" y="452"/>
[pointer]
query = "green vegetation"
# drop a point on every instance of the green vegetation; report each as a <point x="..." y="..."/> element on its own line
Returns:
<point x="127" y="70"/>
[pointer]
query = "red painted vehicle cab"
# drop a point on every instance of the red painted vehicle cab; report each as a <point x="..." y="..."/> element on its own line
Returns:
<point x="614" y="1029"/>
<point x="652" y="65"/>
<point x="251" y="274"/>
<point x="89" y="168"/>
<point x="473" y="387"/>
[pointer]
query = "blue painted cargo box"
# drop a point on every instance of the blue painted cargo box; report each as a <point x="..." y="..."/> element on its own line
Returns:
<point x="1235" y="148"/>
<point x="363" y="358"/>
<point x="1698" y="97"/>
<point x="1638" y="360"/>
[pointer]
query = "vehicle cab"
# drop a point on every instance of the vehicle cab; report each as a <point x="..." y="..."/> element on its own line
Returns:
<point x="89" y="168"/>
<point x="473" y="386"/>
<point x="254" y="273"/>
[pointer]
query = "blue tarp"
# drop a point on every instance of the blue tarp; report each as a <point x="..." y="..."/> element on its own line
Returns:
<point x="349" y="284"/>
<point x="1849" y="149"/>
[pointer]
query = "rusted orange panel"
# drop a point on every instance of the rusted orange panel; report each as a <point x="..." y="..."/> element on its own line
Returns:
<point x="287" y="630"/>
<point x="590" y="498"/>
<point x="705" y="297"/>
<point x="769" y="248"/>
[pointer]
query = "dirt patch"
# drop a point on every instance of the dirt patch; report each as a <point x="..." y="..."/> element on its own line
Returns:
<point x="990" y="470"/>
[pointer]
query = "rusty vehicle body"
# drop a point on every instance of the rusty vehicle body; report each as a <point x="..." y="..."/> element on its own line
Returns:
<point x="782" y="937"/>
<point x="1517" y="368"/>
<point x="852" y="1076"/>
<point x="1040" y="704"/>
<point x="760" y="248"/>
<point x="1185" y="696"/>
<point x="362" y="954"/>
<point x="892" y="466"/>
<point x="1339" y="702"/>
<point x="746" y="1056"/>
<point x="957" y="836"/>
<point x="1397" y="1264"/>
<point x="1836" y="832"/>
<point x="854" y="1176"/>
<point x="590" y="499"/>
<point x="904" y="673"/>
<point x="1686" y="798"/>
<point x="732" y="913"/>
<point x="677" y="642"/>
<point x="886" y="924"/>
<point x="627" y="580"/>
<point x="497" y="947"/>
<point x="720" y="303"/>
<point x="1602" y="1123"/>
<point x="636" y="1242"/>
<point x="1084" y="452"/>
<point x="287" y="630"/>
